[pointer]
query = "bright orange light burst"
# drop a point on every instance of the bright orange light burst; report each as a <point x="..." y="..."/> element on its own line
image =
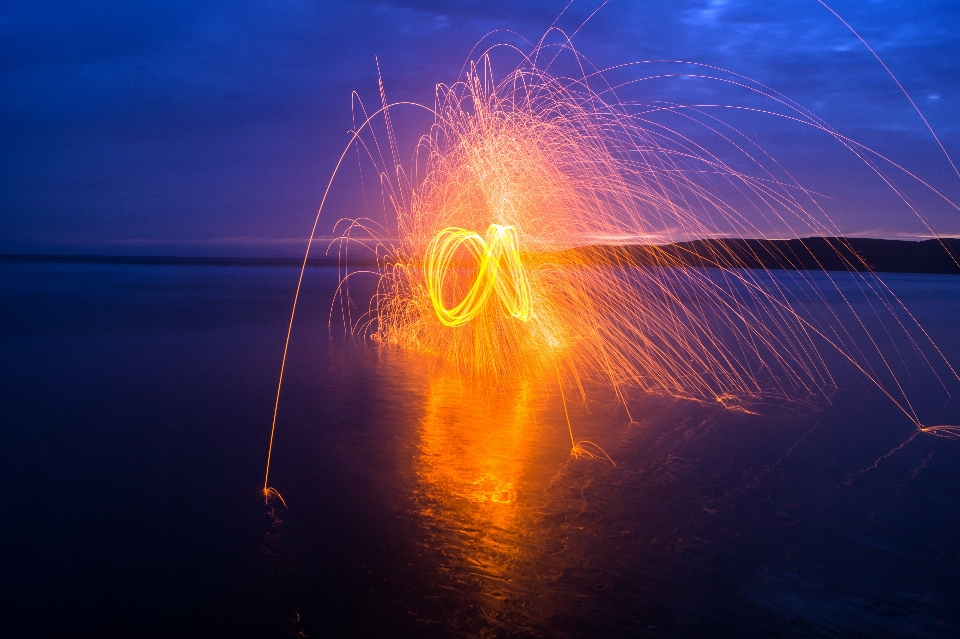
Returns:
<point x="548" y="168"/>
<point x="544" y="168"/>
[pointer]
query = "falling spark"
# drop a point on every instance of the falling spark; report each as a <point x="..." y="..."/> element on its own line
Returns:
<point x="488" y="259"/>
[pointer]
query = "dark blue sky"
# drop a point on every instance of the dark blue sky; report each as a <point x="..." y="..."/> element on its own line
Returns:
<point x="211" y="128"/>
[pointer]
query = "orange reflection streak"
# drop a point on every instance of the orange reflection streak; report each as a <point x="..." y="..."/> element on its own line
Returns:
<point x="475" y="452"/>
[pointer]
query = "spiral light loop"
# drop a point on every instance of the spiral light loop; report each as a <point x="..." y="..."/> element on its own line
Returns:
<point x="499" y="270"/>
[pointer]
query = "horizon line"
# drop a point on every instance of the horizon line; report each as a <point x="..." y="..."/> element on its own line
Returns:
<point x="337" y="260"/>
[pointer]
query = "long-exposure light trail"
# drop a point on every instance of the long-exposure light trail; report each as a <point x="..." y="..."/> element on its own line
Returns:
<point x="585" y="269"/>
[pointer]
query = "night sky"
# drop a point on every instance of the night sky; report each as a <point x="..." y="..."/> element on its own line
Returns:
<point x="211" y="128"/>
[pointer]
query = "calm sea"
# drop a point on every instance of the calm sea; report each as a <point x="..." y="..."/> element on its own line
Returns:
<point x="135" y="406"/>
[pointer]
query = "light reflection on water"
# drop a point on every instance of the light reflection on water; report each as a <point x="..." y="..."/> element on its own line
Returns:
<point x="474" y="449"/>
<point x="477" y="482"/>
<point x="472" y="463"/>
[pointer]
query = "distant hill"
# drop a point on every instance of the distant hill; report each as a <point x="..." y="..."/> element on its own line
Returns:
<point x="812" y="253"/>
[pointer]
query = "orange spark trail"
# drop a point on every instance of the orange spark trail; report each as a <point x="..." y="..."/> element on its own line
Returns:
<point x="559" y="176"/>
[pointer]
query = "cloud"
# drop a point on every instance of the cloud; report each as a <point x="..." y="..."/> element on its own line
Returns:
<point x="133" y="119"/>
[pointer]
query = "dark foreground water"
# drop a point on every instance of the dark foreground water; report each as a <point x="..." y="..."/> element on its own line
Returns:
<point x="135" y="405"/>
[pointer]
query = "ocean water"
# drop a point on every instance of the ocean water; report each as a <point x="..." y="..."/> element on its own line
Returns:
<point x="136" y="404"/>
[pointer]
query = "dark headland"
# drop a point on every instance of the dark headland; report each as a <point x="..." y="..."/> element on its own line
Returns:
<point x="940" y="256"/>
<point x="813" y="253"/>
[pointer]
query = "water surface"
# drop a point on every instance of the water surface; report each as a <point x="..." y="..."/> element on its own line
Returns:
<point x="136" y="404"/>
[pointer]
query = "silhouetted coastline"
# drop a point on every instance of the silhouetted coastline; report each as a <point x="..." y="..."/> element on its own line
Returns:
<point x="813" y="253"/>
